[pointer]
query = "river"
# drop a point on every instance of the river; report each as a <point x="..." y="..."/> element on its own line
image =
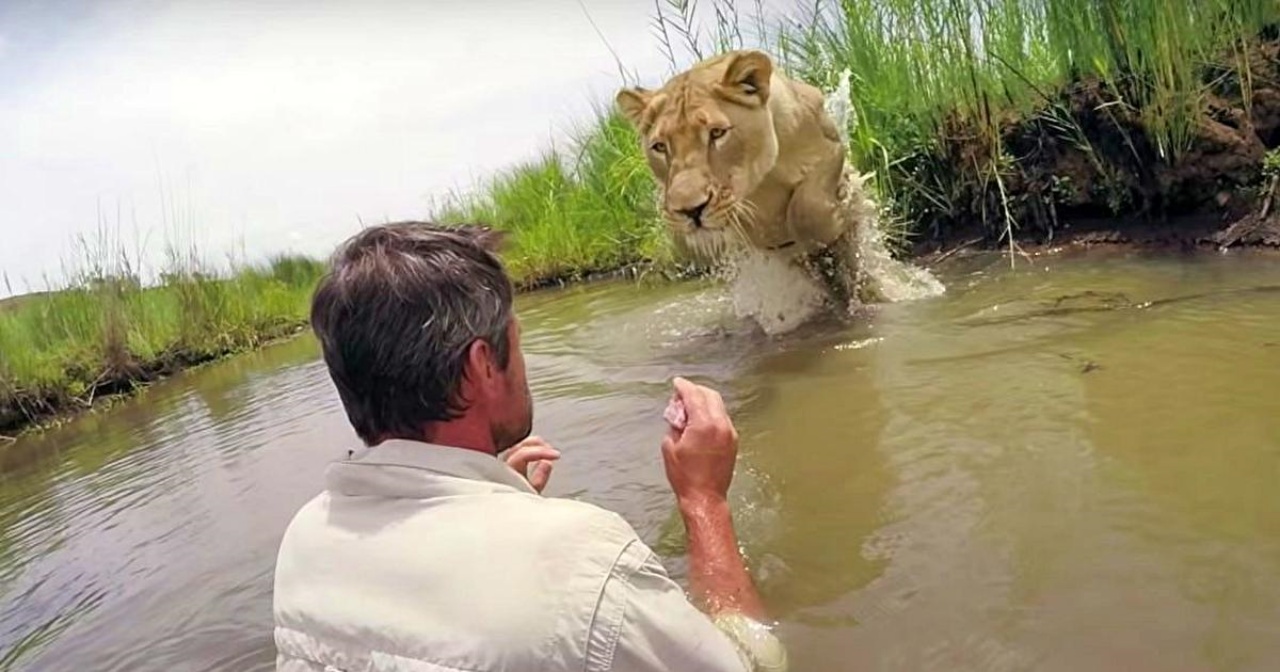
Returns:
<point x="1071" y="465"/>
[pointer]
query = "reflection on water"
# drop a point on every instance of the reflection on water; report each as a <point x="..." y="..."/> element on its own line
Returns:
<point x="142" y="538"/>
<point x="1067" y="466"/>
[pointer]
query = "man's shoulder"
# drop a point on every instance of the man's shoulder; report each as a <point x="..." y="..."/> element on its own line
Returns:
<point x="574" y="513"/>
<point x="577" y="531"/>
<point x="334" y="524"/>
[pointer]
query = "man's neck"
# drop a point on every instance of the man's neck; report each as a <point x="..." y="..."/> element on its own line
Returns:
<point x="462" y="433"/>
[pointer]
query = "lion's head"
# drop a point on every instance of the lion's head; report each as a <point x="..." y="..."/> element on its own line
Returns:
<point x="709" y="138"/>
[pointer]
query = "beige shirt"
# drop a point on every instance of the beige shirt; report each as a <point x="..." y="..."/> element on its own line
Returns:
<point x="419" y="557"/>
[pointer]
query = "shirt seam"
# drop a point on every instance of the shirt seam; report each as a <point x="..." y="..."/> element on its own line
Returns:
<point x="615" y="628"/>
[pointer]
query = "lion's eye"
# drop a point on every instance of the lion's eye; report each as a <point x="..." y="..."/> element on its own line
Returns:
<point x="659" y="147"/>
<point x="717" y="133"/>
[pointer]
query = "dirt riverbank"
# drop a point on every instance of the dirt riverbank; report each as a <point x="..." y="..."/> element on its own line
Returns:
<point x="1087" y="167"/>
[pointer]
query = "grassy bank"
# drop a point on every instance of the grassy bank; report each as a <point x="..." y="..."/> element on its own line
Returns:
<point x="105" y="332"/>
<point x="1012" y="118"/>
<point x="1005" y="119"/>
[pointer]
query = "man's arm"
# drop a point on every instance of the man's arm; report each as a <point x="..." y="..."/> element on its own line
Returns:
<point x="699" y="456"/>
<point x="718" y="577"/>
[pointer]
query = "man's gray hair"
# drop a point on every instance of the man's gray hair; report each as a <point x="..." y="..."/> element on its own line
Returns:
<point x="396" y="315"/>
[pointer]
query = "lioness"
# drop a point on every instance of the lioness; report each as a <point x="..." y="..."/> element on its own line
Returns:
<point x="741" y="150"/>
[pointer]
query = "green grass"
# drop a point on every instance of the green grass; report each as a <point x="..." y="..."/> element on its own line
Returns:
<point x="105" y="330"/>
<point x="570" y="213"/>
<point x="926" y="71"/>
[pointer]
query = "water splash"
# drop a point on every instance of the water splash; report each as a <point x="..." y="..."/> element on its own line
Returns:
<point x="839" y="108"/>
<point x="779" y="295"/>
<point x="882" y="278"/>
<point x="772" y="290"/>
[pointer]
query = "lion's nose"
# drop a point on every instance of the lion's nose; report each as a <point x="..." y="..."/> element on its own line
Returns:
<point x="695" y="213"/>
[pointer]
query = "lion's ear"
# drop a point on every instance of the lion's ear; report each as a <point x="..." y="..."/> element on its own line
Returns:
<point x="632" y="103"/>
<point x="746" y="79"/>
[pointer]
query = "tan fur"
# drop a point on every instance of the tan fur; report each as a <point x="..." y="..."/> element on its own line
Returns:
<point x="771" y="180"/>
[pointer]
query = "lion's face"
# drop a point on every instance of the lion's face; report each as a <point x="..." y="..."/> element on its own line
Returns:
<point x="709" y="140"/>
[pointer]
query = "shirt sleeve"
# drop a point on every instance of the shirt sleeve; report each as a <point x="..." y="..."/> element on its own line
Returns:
<point x="644" y="623"/>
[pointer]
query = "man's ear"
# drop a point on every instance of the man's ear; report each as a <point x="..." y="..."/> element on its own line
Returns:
<point x="479" y="369"/>
<point x="632" y="103"/>
<point x="746" y="78"/>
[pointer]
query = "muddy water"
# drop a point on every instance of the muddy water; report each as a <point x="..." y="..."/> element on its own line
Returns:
<point x="1074" y="465"/>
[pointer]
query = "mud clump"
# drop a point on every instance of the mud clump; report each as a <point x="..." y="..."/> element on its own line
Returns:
<point x="1086" y="166"/>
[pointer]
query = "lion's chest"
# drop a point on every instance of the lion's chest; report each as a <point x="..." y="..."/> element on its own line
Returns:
<point x="768" y="226"/>
<point x="772" y="203"/>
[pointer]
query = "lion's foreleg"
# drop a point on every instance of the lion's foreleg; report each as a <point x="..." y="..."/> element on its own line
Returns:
<point x="836" y="268"/>
<point x="815" y="216"/>
<point x="813" y="213"/>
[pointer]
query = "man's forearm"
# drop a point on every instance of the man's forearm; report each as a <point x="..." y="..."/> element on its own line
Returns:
<point x="718" y="576"/>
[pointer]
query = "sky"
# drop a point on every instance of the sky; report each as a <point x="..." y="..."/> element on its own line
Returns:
<point x="251" y="128"/>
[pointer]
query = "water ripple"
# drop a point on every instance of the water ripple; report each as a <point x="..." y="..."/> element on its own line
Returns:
<point x="999" y="478"/>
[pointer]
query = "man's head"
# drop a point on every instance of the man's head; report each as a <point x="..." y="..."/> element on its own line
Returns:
<point x="416" y="324"/>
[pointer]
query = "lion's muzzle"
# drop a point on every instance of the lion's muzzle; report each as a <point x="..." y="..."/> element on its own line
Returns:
<point x="695" y="213"/>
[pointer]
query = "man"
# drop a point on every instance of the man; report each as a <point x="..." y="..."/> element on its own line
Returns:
<point x="426" y="551"/>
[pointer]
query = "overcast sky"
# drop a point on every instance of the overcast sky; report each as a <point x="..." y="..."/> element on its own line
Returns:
<point x="278" y="125"/>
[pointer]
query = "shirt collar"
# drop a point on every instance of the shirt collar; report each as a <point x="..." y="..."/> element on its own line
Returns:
<point x="416" y="469"/>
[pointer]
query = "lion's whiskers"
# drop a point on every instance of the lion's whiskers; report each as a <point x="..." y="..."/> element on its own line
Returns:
<point x="738" y="214"/>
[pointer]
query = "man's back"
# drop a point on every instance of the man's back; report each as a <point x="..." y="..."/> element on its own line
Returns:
<point x="426" y="557"/>
<point x="434" y="558"/>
